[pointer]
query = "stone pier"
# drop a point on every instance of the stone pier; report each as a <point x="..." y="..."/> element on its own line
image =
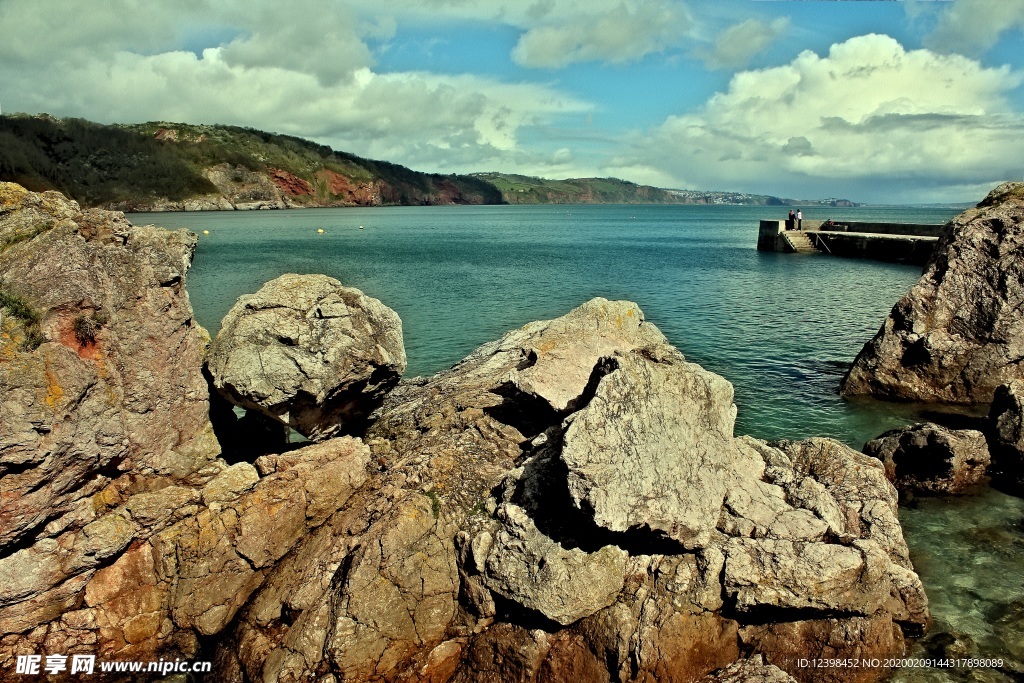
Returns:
<point x="895" y="242"/>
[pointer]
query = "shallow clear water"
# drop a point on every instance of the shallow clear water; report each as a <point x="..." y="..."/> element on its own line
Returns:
<point x="969" y="553"/>
<point x="782" y="328"/>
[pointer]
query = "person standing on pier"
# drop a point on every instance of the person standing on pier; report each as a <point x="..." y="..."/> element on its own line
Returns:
<point x="799" y="219"/>
<point x="791" y="221"/>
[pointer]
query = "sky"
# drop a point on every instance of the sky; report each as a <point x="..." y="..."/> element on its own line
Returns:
<point x="919" y="101"/>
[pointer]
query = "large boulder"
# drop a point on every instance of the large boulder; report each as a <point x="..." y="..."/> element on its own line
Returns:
<point x="930" y="458"/>
<point x="959" y="332"/>
<point x="662" y="456"/>
<point x="310" y="353"/>
<point x="549" y="551"/>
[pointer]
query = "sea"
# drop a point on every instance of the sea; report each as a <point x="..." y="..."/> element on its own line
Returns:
<point x="782" y="328"/>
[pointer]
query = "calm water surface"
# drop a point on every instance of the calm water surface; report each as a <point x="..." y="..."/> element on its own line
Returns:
<point x="782" y="328"/>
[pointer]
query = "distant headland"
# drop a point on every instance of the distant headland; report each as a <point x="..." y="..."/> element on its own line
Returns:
<point x="162" y="166"/>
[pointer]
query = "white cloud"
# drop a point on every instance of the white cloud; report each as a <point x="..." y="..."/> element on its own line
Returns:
<point x="970" y="26"/>
<point x="621" y="34"/>
<point x="740" y="42"/>
<point x="301" y="37"/>
<point x="870" y="111"/>
<point x="309" y="75"/>
<point x="557" y="33"/>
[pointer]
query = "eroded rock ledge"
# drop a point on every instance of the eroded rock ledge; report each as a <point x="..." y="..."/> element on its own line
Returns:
<point x="567" y="503"/>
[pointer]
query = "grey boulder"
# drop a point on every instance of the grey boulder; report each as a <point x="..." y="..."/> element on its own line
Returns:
<point x="653" y="447"/>
<point x="310" y="353"/>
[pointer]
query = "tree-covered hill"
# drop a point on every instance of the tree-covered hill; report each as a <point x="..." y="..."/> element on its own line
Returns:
<point x="176" y="166"/>
<point x="180" y="166"/>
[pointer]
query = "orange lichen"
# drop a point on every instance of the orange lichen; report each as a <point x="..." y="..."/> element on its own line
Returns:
<point x="54" y="392"/>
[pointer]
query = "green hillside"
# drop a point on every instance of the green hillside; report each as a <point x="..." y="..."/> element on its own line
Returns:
<point x="156" y="165"/>
<point x="520" y="189"/>
<point x="176" y="167"/>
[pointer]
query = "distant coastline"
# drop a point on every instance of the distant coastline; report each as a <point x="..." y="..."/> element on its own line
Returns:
<point x="163" y="166"/>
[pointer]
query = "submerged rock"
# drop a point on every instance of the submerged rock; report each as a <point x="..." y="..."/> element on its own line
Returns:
<point x="310" y="353"/>
<point x="929" y="458"/>
<point x="1006" y="417"/>
<point x="959" y="332"/>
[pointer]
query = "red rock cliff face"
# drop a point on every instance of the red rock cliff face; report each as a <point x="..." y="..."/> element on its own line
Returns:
<point x="290" y="183"/>
<point x="343" y="191"/>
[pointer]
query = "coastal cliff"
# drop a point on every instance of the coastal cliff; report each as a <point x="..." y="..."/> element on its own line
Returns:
<point x="569" y="502"/>
<point x="183" y="167"/>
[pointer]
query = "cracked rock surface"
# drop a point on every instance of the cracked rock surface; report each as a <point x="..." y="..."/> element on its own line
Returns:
<point x="959" y="332"/>
<point x="793" y="549"/>
<point x="310" y="353"/>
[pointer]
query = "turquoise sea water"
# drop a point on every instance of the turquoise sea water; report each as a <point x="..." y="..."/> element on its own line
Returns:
<point x="782" y="328"/>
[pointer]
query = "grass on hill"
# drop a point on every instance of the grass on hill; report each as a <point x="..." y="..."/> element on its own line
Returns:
<point x="97" y="164"/>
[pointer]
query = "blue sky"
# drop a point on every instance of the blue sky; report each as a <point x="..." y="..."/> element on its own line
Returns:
<point x="878" y="101"/>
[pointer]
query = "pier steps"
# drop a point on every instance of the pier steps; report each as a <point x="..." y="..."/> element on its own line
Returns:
<point x="799" y="242"/>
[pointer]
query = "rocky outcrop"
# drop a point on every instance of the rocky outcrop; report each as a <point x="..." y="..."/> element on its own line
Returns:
<point x="929" y="458"/>
<point x="102" y="399"/>
<point x="1006" y="417"/>
<point x="99" y="362"/>
<point x="567" y="503"/>
<point x="490" y="546"/>
<point x="200" y="552"/>
<point x="958" y="333"/>
<point x="309" y="353"/>
<point x="123" y="534"/>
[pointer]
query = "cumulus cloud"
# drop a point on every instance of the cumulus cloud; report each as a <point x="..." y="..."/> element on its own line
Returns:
<point x="309" y="76"/>
<point x="624" y="33"/>
<point x="300" y="36"/>
<point x="739" y="43"/>
<point x="868" y="110"/>
<point x="970" y="26"/>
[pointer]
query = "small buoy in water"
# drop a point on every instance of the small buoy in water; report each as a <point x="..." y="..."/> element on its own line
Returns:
<point x="206" y="232"/>
<point x="320" y="231"/>
<point x="360" y="227"/>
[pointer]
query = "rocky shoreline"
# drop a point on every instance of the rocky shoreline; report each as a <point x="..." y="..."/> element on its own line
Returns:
<point x="569" y="502"/>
